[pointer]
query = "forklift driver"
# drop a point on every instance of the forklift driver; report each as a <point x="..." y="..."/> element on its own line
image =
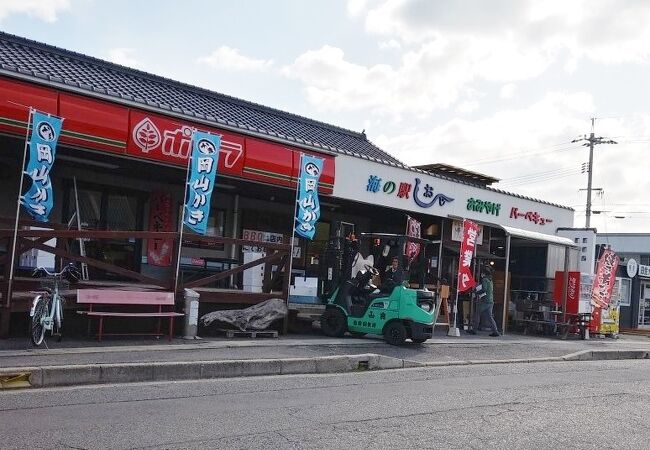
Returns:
<point x="393" y="276"/>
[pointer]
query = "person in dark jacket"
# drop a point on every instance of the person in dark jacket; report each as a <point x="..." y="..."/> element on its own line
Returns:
<point x="393" y="276"/>
<point x="483" y="308"/>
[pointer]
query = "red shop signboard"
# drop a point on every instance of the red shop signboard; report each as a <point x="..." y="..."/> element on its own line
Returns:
<point x="166" y="140"/>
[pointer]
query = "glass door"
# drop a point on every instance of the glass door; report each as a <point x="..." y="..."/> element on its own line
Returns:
<point x="644" y="306"/>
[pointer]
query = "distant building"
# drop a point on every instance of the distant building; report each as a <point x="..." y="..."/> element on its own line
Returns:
<point x="585" y="239"/>
<point x="634" y="251"/>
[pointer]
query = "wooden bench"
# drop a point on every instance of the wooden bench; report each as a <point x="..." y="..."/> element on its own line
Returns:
<point x="110" y="300"/>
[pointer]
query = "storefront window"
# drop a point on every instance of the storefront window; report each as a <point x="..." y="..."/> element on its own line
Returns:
<point x="216" y="227"/>
<point x="108" y="208"/>
<point x="626" y="291"/>
<point x="123" y="212"/>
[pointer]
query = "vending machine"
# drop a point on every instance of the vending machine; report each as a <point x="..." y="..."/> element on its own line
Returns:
<point x="604" y="321"/>
<point x="578" y="292"/>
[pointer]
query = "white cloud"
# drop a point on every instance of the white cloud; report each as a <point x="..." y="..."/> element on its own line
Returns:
<point x="508" y="90"/>
<point x="391" y="44"/>
<point x="557" y="117"/>
<point x="46" y="10"/>
<point x="467" y="106"/>
<point x="356" y="7"/>
<point x="227" y="58"/>
<point x="123" y="56"/>
<point x="610" y="31"/>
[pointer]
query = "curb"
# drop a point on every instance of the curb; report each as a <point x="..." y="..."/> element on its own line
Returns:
<point x="582" y="355"/>
<point x="83" y="374"/>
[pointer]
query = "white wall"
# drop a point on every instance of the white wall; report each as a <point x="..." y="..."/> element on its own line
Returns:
<point x="585" y="238"/>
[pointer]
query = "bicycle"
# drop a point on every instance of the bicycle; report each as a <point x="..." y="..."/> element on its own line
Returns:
<point x="46" y="313"/>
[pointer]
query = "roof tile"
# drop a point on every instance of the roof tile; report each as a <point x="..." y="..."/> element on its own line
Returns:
<point x="67" y="68"/>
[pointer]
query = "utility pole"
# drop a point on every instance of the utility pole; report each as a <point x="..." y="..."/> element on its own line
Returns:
<point x="590" y="142"/>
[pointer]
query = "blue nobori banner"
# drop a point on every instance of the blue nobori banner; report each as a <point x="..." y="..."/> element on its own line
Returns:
<point x="39" y="199"/>
<point x="203" y="173"/>
<point x="308" y="208"/>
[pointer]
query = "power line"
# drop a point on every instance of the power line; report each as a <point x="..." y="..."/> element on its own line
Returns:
<point x="536" y="174"/>
<point x="541" y="179"/>
<point x="540" y="151"/>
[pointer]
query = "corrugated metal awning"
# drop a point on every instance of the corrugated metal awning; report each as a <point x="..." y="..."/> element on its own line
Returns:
<point x="535" y="236"/>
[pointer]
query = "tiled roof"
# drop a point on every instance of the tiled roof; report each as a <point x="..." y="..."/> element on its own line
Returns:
<point x="69" y="70"/>
<point x="27" y="58"/>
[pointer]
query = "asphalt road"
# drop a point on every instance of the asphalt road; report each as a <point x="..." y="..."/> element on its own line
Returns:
<point x="546" y="405"/>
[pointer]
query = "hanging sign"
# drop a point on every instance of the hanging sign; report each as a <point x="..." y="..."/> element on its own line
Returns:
<point x="412" y="249"/>
<point x="604" y="280"/>
<point x="308" y="208"/>
<point x="457" y="232"/>
<point x="467" y="246"/>
<point x="39" y="198"/>
<point x="203" y="173"/>
<point x="159" y="251"/>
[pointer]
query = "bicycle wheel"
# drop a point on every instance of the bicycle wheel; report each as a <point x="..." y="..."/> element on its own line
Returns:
<point x="58" y="320"/>
<point x="41" y="311"/>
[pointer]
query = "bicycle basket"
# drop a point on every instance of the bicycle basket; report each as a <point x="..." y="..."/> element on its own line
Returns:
<point x="49" y="284"/>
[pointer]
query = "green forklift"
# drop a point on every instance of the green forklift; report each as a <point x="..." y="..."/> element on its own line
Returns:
<point x="395" y="311"/>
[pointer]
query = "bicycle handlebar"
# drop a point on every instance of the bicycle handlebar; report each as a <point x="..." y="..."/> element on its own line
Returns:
<point x="66" y="269"/>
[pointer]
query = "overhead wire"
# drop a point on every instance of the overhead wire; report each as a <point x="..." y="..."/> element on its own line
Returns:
<point x="540" y="178"/>
<point x="540" y="151"/>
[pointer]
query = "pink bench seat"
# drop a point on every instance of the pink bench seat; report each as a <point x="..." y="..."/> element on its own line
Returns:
<point x="104" y="298"/>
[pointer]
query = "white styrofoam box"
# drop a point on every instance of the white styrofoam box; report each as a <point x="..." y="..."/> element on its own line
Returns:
<point x="310" y="291"/>
<point x="253" y="277"/>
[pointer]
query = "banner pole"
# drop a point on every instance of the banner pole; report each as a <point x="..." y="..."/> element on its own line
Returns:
<point x="20" y="192"/>
<point x="180" y="236"/>
<point x="293" y="224"/>
<point x="454" y="331"/>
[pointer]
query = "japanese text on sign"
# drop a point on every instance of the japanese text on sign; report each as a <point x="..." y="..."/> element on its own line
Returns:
<point x="474" y="204"/>
<point x="203" y="173"/>
<point x="467" y="246"/>
<point x="39" y="198"/>
<point x="423" y="196"/>
<point x="605" y="279"/>
<point x="159" y="251"/>
<point x="532" y="216"/>
<point x="308" y="208"/>
<point x="413" y="229"/>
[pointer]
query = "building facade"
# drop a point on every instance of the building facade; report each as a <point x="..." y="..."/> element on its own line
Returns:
<point x="122" y="160"/>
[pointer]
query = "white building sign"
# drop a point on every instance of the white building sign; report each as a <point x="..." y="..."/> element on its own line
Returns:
<point x="409" y="190"/>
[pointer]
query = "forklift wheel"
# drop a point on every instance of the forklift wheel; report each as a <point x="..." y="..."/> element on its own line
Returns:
<point x="333" y="322"/>
<point x="395" y="333"/>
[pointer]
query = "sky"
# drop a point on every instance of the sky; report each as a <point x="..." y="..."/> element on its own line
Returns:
<point x="500" y="87"/>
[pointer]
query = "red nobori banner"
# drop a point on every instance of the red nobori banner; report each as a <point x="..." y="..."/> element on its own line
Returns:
<point x="467" y="247"/>
<point x="605" y="279"/>
<point x="412" y="249"/>
<point x="159" y="251"/>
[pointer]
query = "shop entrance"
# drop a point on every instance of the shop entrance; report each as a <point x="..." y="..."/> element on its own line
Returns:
<point x="644" y="306"/>
<point x="111" y="209"/>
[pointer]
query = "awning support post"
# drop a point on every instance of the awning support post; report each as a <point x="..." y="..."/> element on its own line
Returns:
<point x="506" y="279"/>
